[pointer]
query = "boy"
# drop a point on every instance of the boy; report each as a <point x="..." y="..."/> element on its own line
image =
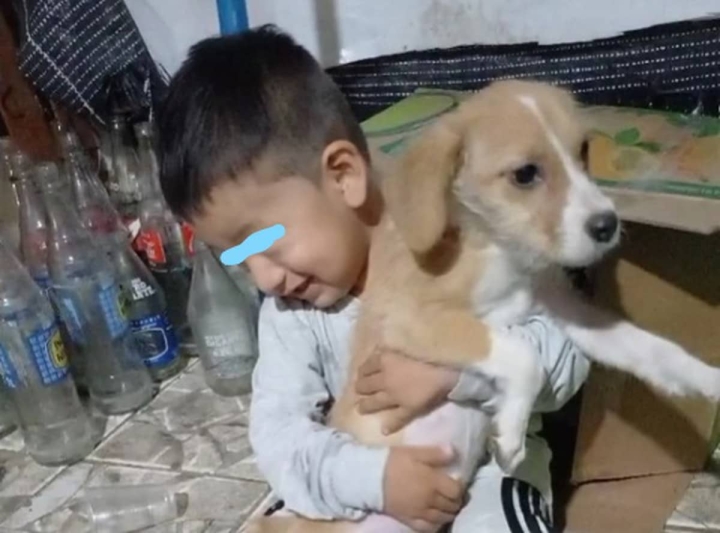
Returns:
<point x="253" y="133"/>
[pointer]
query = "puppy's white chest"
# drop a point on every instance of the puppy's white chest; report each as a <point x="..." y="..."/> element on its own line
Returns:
<point x="503" y="295"/>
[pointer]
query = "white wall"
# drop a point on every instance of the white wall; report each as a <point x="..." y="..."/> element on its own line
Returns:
<point x="348" y="30"/>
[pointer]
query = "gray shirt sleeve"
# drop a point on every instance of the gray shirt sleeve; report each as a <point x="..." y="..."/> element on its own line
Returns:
<point x="566" y="368"/>
<point x="319" y="472"/>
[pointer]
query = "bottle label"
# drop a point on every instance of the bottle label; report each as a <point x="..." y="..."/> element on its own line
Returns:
<point x="46" y="348"/>
<point x="140" y="290"/>
<point x="156" y="340"/>
<point x="7" y="369"/>
<point x="70" y="312"/>
<point x="152" y="243"/>
<point x="189" y="238"/>
<point x="229" y="345"/>
<point x="114" y="305"/>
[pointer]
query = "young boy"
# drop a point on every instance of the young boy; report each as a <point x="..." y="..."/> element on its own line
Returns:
<point x="253" y="133"/>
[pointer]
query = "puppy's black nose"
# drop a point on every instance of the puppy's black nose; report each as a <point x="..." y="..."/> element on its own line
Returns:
<point x="602" y="226"/>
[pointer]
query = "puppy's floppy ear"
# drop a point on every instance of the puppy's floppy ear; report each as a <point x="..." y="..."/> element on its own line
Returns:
<point x="417" y="194"/>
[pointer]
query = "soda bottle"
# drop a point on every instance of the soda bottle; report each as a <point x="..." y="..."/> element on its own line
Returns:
<point x="9" y="229"/>
<point x="91" y="199"/>
<point x="33" y="230"/>
<point x="7" y="412"/>
<point x="91" y="305"/>
<point x="167" y="245"/>
<point x="154" y="334"/>
<point x="223" y="322"/>
<point x="56" y="427"/>
<point x="124" y="185"/>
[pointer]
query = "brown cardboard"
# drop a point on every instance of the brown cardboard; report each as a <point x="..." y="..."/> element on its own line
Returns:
<point x="666" y="281"/>
<point x="630" y="506"/>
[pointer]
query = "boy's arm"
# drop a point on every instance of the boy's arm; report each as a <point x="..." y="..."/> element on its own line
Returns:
<point x="319" y="472"/>
<point x="566" y="368"/>
<point x="408" y="388"/>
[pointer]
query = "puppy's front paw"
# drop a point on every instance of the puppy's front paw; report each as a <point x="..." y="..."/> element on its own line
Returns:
<point x="509" y="452"/>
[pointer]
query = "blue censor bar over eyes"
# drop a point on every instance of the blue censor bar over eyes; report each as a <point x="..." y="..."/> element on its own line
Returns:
<point x="256" y="243"/>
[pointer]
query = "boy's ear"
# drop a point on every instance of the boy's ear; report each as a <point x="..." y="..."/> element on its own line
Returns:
<point x="345" y="170"/>
<point x="416" y="194"/>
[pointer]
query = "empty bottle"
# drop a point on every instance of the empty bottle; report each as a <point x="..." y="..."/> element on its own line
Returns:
<point x="124" y="184"/>
<point x="223" y="322"/>
<point x="34" y="366"/>
<point x="92" y="307"/>
<point x="91" y="199"/>
<point x="33" y="230"/>
<point x="164" y="243"/>
<point x="154" y="334"/>
<point x="7" y="411"/>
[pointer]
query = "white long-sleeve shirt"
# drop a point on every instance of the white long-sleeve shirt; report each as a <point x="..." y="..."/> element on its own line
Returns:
<point x="322" y="473"/>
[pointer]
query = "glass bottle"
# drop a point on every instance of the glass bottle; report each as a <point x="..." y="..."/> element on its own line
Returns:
<point x="224" y="322"/>
<point x="91" y="199"/>
<point x="165" y="242"/>
<point x="154" y="334"/>
<point x="7" y="411"/>
<point x="92" y="307"/>
<point x="34" y="367"/>
<point x="33" y="230"/>
<point x="124" y="185"/>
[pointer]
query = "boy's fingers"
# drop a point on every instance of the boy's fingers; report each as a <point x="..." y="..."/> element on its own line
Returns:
<point x="421" y="526"/>
<point x="446" y="505"/>
<point x="371" y="365"/>
<point x="375" y="402"/>
<point x="450" y="488"/>
<point x="441" y="503"/>
<point x="397" y="420"/>
<point x="369" y="384"/>
<point x="433" y="455"/>
<point x="438" y="517"/>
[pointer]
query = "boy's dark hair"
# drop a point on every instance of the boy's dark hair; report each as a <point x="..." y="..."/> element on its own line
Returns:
<point x="242" y="99"/>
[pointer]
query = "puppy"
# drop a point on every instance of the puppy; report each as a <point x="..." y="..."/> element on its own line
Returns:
<point x="484" y="210"/>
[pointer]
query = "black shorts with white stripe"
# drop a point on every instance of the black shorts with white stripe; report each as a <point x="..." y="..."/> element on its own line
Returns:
<point x="526" y="511"/>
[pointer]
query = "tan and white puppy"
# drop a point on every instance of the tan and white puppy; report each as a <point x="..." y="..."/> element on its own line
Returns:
<point x="484" y="209"/>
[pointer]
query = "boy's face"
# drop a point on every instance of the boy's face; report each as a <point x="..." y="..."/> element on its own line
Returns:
<point x="322" y="255"/>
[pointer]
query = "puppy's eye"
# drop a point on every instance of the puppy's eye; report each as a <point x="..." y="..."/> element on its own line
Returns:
<point x="585" y="153"/>
<point x="526" y="176"/>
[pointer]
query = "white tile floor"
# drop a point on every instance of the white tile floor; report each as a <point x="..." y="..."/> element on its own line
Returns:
<point x="196" y="441"/>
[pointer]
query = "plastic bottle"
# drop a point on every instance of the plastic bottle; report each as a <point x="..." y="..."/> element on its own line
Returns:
<point x="92" y="307"/>
<point x="224" y="324"/>
<point x="34" y="367"/>
<point x="154" y="334"/>
<point x="165" y="242"/>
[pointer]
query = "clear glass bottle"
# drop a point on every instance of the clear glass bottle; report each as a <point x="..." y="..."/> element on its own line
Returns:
<point x="124" y="184"/>
<point x="91" y="199"/>
<point x="92" y="307"/>
<point x="154" y="334"/>
<point x="33" y="230"/>
<point x="165" y="242"/>
<point x="224" y="323"/>
<point x="7" y="411"/>
<point x="56" y="427"/>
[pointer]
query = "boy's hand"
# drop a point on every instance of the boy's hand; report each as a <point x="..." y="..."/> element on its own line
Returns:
<point x="389" y="380"/>
<point x="417" y="490"/>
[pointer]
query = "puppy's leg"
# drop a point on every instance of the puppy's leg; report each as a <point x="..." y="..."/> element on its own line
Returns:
<point x="614" y="342"/>
<point x="454" y="337"/>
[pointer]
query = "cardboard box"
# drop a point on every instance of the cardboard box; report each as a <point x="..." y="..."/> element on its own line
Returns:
<point x="635" y="447"/>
